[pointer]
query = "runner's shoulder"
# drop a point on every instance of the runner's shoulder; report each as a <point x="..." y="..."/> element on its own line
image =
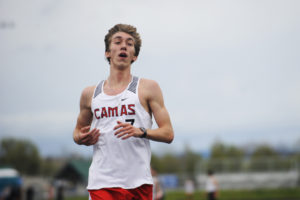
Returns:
<point x="88" y="92"/>
<point x="149" y="84"/>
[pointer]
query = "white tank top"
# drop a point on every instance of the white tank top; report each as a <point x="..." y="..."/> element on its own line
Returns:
<point x="117" y="162"/>
<point x="210" y="185"/>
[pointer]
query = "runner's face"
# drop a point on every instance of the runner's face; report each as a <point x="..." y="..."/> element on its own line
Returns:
<point x="121" y="51"/>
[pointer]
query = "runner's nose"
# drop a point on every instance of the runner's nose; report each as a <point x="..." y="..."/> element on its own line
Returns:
<point x="123" y="45"/>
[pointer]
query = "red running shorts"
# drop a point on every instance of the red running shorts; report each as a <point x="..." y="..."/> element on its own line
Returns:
<point x="144" y="192"/>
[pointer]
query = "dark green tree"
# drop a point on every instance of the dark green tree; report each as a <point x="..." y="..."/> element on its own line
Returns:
<point x="156" y="163"/>
<point x="49" y="167"/>
<point x="263" y="158"/>
<point x="189" y="161"/>
<point x="224" y="157"/>
<point x="21" y="155"/>
<point x="170" y="163"/>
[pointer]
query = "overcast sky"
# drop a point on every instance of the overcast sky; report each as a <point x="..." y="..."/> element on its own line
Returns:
<point x="229" y="70"/>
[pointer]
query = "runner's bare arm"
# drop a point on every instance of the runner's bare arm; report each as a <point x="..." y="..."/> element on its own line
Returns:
<point x="82" y="133"/>
<point x="164" y="132"/>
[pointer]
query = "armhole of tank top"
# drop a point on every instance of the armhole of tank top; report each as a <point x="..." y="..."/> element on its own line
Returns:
<point x="137" y="92"/>
<point x="137" y="87"/>
<point x="97" y="90"/>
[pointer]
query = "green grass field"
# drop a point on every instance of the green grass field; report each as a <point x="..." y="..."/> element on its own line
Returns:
<point x="262" y="194"/>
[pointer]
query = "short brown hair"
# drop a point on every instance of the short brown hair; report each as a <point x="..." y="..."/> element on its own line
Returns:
<point x="129" y="29"/>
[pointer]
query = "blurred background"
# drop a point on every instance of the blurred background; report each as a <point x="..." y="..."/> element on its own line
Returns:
<point x="229" y="71"/>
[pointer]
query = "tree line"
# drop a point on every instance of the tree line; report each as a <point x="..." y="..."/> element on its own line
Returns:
<point x="24" y="156"/>
<point x="228" y="158"/>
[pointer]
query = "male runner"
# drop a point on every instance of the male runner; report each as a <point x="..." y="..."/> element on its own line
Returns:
<point x="116" y="118"/>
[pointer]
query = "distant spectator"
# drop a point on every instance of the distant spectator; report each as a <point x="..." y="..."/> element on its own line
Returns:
<point x="211" y="186"/>
<point x="30" y="193"/>
<point x="15" y="193"/>
<point x="5" y="193"/>
<point x="60" y="192"/>
<point x="189" y="189"/>
<point x="158" y="193"/>
<point x="50" y="192"/>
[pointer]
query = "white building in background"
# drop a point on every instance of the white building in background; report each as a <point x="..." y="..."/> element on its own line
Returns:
<point x="253" y="180"/>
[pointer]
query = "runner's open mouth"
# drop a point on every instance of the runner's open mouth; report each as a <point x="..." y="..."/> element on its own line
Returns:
<point x="123" y="55"/>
